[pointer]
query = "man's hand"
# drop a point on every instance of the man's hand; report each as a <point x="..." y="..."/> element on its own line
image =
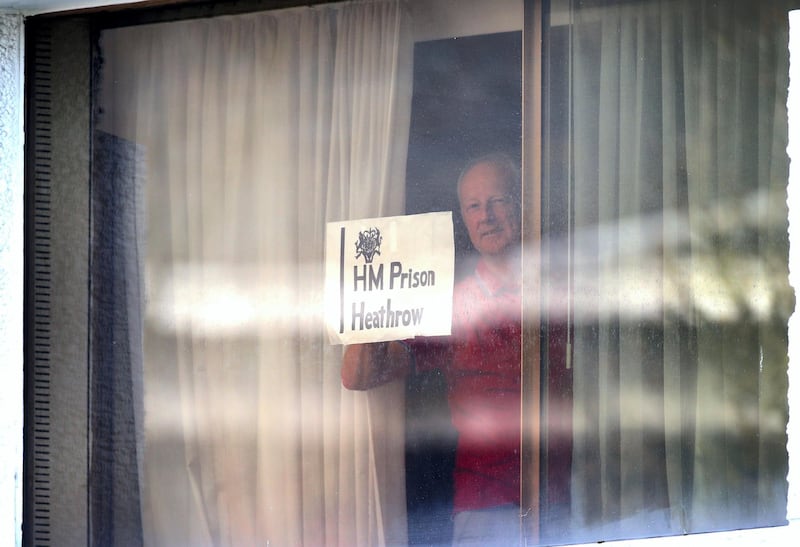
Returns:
<point x="369" y="365"/>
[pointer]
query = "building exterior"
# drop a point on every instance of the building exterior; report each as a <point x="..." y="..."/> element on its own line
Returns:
<point x="12" y="21"/>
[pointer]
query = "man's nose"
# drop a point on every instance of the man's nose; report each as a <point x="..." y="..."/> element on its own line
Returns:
<point x="488" y="212"/>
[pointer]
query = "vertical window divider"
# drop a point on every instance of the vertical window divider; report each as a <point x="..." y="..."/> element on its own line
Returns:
<point x="532" y="82"/>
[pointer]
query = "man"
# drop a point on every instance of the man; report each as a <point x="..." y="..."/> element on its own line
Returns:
<point x="481" y="360"/>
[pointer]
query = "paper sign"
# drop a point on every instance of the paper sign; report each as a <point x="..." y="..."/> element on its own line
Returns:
<point x="389" y="278"/>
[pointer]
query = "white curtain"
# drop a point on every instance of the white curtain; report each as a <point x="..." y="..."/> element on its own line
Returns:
<point x="681" y="298"/>
<point x="256" y="130"/>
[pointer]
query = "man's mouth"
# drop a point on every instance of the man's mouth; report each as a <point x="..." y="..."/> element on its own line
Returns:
<point x="493" y="231"/>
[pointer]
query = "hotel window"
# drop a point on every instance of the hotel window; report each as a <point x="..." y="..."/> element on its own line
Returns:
<point x="184" y="158"/>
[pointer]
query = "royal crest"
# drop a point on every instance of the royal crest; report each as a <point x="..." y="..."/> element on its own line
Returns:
<point x="369" y="244"/>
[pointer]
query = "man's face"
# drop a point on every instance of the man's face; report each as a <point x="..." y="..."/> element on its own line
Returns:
<point x="488" y="210"/>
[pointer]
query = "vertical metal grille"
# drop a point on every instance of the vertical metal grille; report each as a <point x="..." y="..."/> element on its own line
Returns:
<point x="39" y="290"/>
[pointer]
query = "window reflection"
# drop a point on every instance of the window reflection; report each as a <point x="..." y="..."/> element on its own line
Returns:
<point x="675" y="269"/>
<point x="664" y="265"/>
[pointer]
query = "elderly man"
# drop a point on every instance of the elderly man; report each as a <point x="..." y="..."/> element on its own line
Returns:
<point x="480" y="360"/>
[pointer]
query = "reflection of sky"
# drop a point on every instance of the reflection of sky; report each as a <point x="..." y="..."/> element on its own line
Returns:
<point x="667" y="265"/>
<point x="165" y="416"/>
<point x="637" y="269"/>
<point x="231" y="300"/>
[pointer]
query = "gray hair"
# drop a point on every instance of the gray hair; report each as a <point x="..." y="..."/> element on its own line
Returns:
<point x="506" y="166"/>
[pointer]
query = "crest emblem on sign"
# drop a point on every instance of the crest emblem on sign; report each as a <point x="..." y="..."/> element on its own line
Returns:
<point x="369" y="244"/>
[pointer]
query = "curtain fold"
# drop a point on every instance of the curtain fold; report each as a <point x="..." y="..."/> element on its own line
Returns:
<point x="681" y="296"/>
<point x="256" y="131"/>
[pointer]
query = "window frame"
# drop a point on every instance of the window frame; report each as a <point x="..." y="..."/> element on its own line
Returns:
<point x="103" y="14"/>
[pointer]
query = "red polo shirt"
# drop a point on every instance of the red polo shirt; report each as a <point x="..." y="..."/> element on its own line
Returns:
<point x="481" y="362"/>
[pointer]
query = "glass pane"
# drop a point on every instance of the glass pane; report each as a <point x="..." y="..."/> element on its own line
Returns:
<point x="223" y="146"/>
<point x="667" y="262"/>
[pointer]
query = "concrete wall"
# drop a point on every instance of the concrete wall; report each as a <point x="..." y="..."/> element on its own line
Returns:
<point x="11" y="208"/>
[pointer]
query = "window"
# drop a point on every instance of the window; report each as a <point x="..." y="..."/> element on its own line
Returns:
<point x="659" y="171"/>
<point x="654" y="266"/>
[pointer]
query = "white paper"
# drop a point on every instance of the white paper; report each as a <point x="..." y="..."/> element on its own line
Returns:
<point x="389" y="278"/>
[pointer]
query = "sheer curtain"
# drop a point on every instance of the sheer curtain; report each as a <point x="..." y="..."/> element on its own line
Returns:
<point x="680" y="291"/>
<point x="256" y="130"/>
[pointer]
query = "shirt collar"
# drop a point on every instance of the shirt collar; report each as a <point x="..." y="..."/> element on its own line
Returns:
<point x="490" y="283"/>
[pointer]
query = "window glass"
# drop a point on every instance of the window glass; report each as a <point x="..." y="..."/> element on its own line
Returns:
<point x="669" y="245"/>
<point x="238" y="138"/>
<point x="222" y="147"/>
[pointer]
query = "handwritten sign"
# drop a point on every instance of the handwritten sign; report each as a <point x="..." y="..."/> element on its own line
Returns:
<point x="389" y="278"/>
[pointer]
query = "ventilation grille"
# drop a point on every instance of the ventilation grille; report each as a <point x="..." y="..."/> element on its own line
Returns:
<point x="39" y="288"/>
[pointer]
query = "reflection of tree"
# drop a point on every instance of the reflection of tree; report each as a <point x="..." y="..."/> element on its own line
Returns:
<point x="742" y="360"/>
<point x="682" y="326"/>
<point x="719" y="270"/>
<point x="680" y="297"/>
